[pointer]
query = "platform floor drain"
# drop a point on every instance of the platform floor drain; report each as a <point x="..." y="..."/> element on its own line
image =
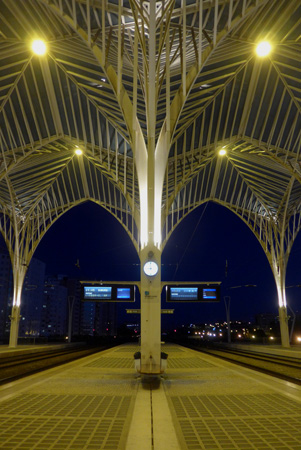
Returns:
<point x="233" y="405"/>
<point x="31" y="433"/>
<point x="236" y="422"/>
<point x="64" y="422"/>
<point x="237" y="434"/>
<point x="112" y="363"/>
<point x="188" y="363"/>
<point x="68" y="405"/>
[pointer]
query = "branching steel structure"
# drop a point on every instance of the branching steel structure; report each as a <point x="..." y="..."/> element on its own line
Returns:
<point x="150" y="91"/>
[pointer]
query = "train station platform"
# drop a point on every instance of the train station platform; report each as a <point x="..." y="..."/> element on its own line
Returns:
<point x="100" y="402"/>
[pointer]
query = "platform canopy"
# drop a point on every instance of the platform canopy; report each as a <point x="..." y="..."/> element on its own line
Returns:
<point x="118" y="75"/>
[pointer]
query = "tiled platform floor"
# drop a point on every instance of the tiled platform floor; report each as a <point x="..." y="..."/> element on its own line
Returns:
<point x="99" y="402"/>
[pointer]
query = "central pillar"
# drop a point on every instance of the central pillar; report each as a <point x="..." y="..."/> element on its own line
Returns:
<point x="284" y="331"/>
<point x="14" y="326"/>
<point x="150" y="312"/>
<point x="282" y="309"/>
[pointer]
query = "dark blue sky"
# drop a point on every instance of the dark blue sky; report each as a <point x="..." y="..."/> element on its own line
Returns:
<point x="197" y="251"/>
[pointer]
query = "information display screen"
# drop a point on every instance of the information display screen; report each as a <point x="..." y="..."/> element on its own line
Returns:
<point x="97" y="292"/>
<point x="193" y="293"/>
<point x="123" y="293"/>
<point x="108" y="293"/>
<point x="183" y="293"/>
<point x="210" y="294"/>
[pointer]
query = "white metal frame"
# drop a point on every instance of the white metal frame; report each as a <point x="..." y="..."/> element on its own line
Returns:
<point x="150" y="91"/>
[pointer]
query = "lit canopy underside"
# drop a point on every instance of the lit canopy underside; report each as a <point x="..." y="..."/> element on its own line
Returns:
<point x="85" y="92"/>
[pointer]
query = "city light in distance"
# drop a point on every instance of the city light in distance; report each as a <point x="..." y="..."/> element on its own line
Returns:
<point x="263" y="48"/>
<point x="39" y="47"/>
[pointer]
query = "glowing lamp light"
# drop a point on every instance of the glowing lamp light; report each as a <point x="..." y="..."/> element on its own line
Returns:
<point x="39" y="47"/>
<point x="222" y="152"/>
<point x="263" y="48"/>
<point x="299" y="339"/>
<point x="78" y="151"/>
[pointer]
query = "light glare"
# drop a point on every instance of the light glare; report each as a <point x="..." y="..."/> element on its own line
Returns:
<point x="222" y="152"/>
<point x="263" y="48"/>
<point x="78" y="151"/>
<point x="39" y="47"/>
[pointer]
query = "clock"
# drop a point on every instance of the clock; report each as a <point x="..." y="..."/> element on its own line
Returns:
<point x="150" y="268"/>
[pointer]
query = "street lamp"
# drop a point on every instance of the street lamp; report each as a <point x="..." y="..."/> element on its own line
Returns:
<point x="39" y="47"/>
<point x="263" y="49"/>
<point x="71" y="299"/>
<point x="227" y="300"/>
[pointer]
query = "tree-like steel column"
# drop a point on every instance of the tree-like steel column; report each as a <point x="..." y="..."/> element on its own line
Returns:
<point x="19" y="272"/>
<point x="150" y="253"/>
<point x="279" y="275"/>
<point x="150" y="313"/>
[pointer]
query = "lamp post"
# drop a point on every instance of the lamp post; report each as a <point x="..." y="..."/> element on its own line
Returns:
<point x="227" y="300"/>
<point x="71" y="299"/>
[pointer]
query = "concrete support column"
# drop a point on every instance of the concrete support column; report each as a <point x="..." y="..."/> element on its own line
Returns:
<point x="284" y="332"/>
<point x="14" y="326"/>
<point x="283" y="318"/>
<point x="150" y="313"/>
<point x="19" y="275"/>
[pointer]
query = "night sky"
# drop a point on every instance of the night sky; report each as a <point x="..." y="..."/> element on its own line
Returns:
<point x="197" y="251"/>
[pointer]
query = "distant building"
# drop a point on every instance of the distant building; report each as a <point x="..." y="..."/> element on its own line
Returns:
<point x="106" y="322"/>
<point x="55" y="304"/>
<point x="265" y="321"/>
<point x="88" y="314"/>
<point x="32" y="299"/>
<point x="98" y="319"/>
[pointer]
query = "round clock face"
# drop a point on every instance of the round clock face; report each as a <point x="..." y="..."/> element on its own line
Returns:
<point x="150" y="268"/>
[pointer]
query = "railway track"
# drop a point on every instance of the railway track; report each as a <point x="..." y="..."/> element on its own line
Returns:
<point x="286" y="368"/>
<point x="18" y="366"/>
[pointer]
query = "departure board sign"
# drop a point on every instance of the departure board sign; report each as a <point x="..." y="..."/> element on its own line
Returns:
<point x="192" y="293"/>
<point x="97" y="292"/>
<point x="210" y="294"/>
<point x="123" y="293"/>
<point x="183" y="293"/>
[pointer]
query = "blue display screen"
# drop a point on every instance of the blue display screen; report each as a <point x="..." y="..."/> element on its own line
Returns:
<point x="193" y="293"/>
<point x="123" y="293"/>
<point x="108" y="293"/>
<point x="183" y="293"/>
<point x="209" y="294"/>
<point x="97" y="292"/>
